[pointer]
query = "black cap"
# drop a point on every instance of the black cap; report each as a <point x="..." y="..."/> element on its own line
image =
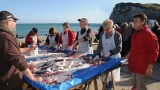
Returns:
<point x="6" y="15"/>
<point x="83" y="19"/>
<point x="35" y="30"/>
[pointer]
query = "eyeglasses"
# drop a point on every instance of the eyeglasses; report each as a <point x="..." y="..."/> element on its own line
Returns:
<point x="105" y="26"/>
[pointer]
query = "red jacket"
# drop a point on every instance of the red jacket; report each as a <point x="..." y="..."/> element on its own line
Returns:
<point x="29" y="38"/>
<point x="71" y="37"/>
<point x="121" y="30"/>
<point x="144" y="50"/>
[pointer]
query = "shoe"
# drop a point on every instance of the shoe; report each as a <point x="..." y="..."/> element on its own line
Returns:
<point x="109" y="85"/>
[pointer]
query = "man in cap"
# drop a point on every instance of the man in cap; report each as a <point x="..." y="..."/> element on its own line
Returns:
<point x="83" y="38"/>
<point x="12" y="63"/>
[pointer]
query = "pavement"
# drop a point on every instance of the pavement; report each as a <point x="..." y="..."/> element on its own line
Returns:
<point x="153" y="82"/>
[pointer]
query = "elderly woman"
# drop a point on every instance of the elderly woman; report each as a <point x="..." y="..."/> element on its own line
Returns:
<point x="52" y="38"/>
<point x="110" y="45"/>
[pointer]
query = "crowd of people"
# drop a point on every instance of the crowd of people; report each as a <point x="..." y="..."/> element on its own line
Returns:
<point x="133" y="41"/>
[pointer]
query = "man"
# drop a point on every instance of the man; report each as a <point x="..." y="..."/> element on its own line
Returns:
<point x="32" y="37"/>
<point x="143" y="52"/>
<point x="127" y="39"/>
<point x="84" y="38"/>
<point x="12" y="63"/>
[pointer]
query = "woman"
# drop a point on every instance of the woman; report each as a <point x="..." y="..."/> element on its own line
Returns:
<point x="110" y="47"/>
<point x="32" y="37"/>
<point x="66" y="38"/>
<point x="52" y="39"/>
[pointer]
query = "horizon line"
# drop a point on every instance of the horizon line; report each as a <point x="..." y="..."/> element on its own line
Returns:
<point x="55" y="23"/>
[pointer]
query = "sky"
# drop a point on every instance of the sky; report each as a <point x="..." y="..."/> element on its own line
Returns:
<point x="59" y="11"/>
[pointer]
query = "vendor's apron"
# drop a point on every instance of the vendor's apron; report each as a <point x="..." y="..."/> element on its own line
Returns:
<point x="52" y="40"/>
<point x="109" y="44"/>
<point x="65" y="40"/>
<point x="84" y="47"/>
<point x="34" y="39"/>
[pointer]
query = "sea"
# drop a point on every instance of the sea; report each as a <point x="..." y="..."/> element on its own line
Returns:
<point x="43" y="28"/>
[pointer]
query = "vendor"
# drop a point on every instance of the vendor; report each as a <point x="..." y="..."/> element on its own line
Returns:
<point x="110" y="45"/>
<point x="83" y="38"/>
<point x="52" y="38"/>
<point x="12" y="63"/>
<point x="32" y="37"/>
<point x="66" y="38"/>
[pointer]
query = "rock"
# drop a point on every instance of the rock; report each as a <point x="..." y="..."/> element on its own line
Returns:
<point x="124" y="12"/>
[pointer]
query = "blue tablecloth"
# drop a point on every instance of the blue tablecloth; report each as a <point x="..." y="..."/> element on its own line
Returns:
<point x="79" y="76"/>
<point x="52" y="49"/>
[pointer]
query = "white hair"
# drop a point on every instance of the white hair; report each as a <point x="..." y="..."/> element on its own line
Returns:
<point x="108" y="23"/>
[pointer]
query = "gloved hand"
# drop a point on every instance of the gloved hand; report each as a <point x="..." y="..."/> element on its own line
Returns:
<point x="48" y="46"/>
<point x="70" y="53"/>
<point x="97" y="56"/>
<point x="44" y="47"/>
<point x="57" y="49"/>
<point x="32" y="47"/>
<point x="107" y="54"/>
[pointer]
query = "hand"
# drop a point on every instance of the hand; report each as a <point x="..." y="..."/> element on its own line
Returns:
<point x="49" y="46"/>
<point x="62" y="49"/>
<point x="44" y="47"/>
<point x="75" y="43"/>
<point x="34" y="46"/>
<point x="56" y="50"/>
<point x="70" y="53"/>
<point x="107" y="55"/>
<point x="148" y="72"/>
<point x="34" y="43"/>
<point x="97" y="57"/>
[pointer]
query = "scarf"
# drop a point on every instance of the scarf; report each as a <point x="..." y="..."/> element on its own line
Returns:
<point x="5" y="29"/>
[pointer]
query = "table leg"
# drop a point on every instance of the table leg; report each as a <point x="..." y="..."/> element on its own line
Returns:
<point x="113" y="80"/>
<point x="95" y="84"/>
<point x="89" y="85"/>
<point x="105" y="81"/>
<point x="81" y="87"/>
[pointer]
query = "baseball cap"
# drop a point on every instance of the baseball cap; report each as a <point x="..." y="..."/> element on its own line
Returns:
<point x="83" y="19"/>
<point x="6" y="15"/>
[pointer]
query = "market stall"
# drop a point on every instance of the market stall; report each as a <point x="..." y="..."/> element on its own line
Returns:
<point x="62" y="73"/>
